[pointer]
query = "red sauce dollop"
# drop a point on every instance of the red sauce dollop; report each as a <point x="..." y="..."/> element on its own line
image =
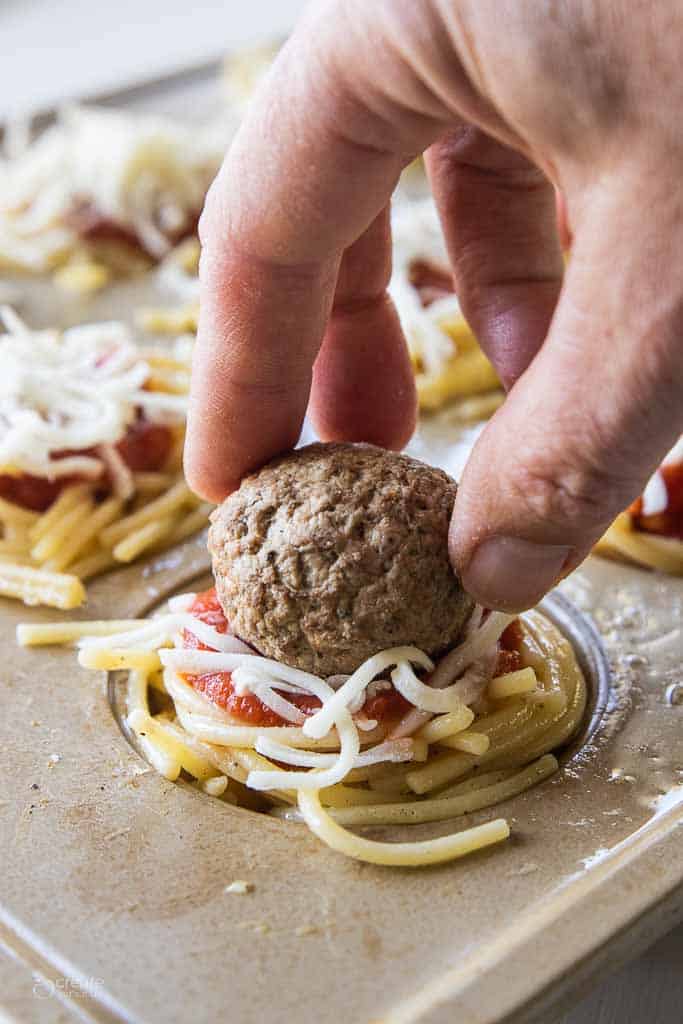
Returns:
<point x="668" y="523"/>
<point x="387" y="705"/>
<point x="145" y="448"/>
<point x="93" y="226"/>
<point x="206" y="607"/>
<point x="509" y="657"/>
<point x="432" y="281"/>
<point x="217" y="686"/>
<point x="31" y="492"/>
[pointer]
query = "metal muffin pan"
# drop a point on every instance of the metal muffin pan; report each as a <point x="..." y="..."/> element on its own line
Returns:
<point x="113" y="905"/>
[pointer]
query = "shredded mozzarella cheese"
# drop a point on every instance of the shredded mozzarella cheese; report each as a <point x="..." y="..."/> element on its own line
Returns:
<point x="655" y="495"/>
<point x="76" y="390"/>
<point x="145" y="174"/>
<point x="421" y="694"/>
<point x="417" y="235"/>
<point x="475" y="646"/>
<point x="675" y="455"/>
<point x="121" y="476"/>
<point x="393" y="751"/>
<point x="319" y="724"/>
<point x="349" y="749"/>
<point x="460" y="678"/>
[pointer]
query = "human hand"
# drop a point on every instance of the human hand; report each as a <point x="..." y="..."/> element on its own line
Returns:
<point x="507" y="97"/>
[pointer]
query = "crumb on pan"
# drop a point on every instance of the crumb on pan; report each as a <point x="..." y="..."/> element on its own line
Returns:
<point x="239" y="887"/>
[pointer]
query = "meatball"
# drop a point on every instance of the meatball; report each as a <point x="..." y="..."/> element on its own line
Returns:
<point x="335" y="552"/>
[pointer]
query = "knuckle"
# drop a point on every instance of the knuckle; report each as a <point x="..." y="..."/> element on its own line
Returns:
<point x="569" y="492"/>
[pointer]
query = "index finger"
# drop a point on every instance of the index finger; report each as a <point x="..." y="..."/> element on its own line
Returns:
<point x="309" y="171"/>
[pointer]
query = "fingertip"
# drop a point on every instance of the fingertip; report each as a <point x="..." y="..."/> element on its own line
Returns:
<point x="216" y="459"/>
<point x="512" y="574"/>
<point x="202" y="478"/>
<point x="393" y="435"/>
<point x="363" y="380"/>
<point x="250" y="381"/>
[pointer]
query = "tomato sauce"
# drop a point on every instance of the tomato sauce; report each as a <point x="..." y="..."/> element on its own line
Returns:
<point x="432" y="281"/>
<point x="509" y="657"/>
<point x="92" y="225"/>
<point x="217" y="686"/>
<point x="387" y="705"/>
<point x="145" y="447"/>
<point x="31" y="492"/>
<point x="206" y="608"/>
<point x="89" y="224"/>
<point x="668" y="523"/>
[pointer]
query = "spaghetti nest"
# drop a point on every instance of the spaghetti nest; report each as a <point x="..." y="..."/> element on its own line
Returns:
<point x="449" y="365"/>
<point x="400" y="741"/>
<point x="92" y="425"/>
<point x="624" y="541"/>
<point x="650" y="532"/>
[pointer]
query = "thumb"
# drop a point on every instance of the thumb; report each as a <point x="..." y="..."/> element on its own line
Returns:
<point x="589" y="420"/>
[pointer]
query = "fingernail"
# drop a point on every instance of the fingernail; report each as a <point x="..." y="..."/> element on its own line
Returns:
<point x="512" y="574"/>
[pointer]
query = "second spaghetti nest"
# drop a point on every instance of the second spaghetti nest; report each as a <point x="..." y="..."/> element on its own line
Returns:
<point x="91" y="432"/>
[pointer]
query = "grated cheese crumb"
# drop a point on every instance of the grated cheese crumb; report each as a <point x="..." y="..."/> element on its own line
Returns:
<point x="240" y="887"/>
<point x="215" y="786"/>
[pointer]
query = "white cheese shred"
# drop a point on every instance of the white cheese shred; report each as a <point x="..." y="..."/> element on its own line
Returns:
<point x="417" y="235"/>
<point x="327" y="750"/>
<point x="74" y="391"/>
<point x="144" y="175"/>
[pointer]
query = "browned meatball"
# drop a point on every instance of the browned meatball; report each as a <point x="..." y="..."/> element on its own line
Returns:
<point x="335" y="552"/>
